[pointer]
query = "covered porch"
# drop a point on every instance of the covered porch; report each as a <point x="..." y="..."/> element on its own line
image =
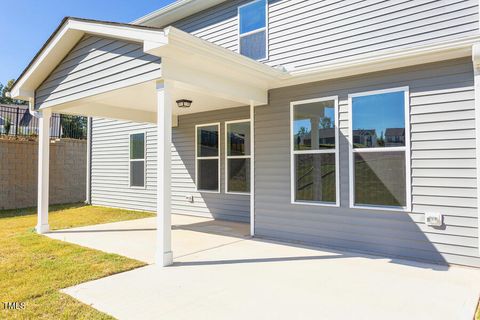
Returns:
<point x="137" y="74"/>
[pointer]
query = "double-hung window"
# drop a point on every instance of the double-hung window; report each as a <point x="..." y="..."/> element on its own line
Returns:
<point x="137" y="160"/>
<point x="253" y="31"/>
<point x="237" y="144"/>
<point x="314" y="155"/>
<point x="207" y="142"/>
<point x="379" y="149"/>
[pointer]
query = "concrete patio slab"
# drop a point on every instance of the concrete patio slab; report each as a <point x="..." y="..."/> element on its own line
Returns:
<point x="136" y="238"/>
<point x="221" y="276"/>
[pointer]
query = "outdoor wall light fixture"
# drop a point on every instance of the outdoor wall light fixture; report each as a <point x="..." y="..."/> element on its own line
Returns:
<point x="184" y="103"/>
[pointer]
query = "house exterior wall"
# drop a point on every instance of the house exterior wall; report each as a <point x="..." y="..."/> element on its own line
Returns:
<point x="110" y="165"/>
<point x="92" y="66"/>
<point x="110" y="168"/>
<point x="217" y="205"/>
<point x="304" y="33"/>
<point x="442" y="161"/>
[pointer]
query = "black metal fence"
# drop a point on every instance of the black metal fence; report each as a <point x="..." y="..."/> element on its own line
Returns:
<point x="17" y="121"/>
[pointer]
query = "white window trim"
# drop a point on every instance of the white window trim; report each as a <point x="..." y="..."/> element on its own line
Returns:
<point x="335" y="151"/>
<point x="207" y="158"/>
<point x="137" y="160"/>
<point x="239" y="36"/>
<point x="406" y="149"/>
<point x="227" y="157"/>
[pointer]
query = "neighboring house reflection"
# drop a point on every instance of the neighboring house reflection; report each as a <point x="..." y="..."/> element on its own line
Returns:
<point x="394" y="137"/>
<point x="365" y="137"/>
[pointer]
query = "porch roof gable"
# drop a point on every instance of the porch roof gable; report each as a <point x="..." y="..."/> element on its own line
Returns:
<point x="64" y="38"/>
<point x="178" y="47"/>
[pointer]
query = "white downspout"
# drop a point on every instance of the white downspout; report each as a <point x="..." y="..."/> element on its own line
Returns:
<point x="88" y="195"/>
<point x="252" y="169"/>
<point x="476" y="72"/>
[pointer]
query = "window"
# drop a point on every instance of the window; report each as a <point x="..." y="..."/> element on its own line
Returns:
<point x="137" y="160"/>
<point x="379" y="150"/>
<point x="237" y="171"/>
<point x="314" y="156"/>
<point x="253" y="29"/>
<point x="207" y="157"/>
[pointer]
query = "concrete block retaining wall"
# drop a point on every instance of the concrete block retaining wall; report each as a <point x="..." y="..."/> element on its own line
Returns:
<point x="18" y="172"/>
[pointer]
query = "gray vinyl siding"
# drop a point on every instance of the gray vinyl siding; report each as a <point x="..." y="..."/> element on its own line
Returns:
<point x="110" y="165"/>
<point x="443" y="170"/>
<point x="94" y="65"/>
<point x="304" y="33"/>
<point x="110" y="168"/>
<point x="217" y="205"/>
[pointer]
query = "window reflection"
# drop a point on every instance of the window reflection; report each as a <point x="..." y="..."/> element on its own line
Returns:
<point x="238" y="139"/>
<point x="315" y="177"/>
<point x="380" y="178"/>
<point x="208" y="141"/>
<point x="321" y="117"/>
<point x="378" y="120"/>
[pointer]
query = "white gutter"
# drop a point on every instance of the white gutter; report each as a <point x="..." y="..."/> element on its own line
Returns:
<point x="390" y="59"/>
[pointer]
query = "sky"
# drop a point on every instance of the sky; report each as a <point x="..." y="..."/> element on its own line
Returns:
<point x="25" y="25"/>
<point x="379" y="111"/>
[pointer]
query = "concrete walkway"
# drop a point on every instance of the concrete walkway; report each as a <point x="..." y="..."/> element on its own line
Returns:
<point x="219" y="273"/>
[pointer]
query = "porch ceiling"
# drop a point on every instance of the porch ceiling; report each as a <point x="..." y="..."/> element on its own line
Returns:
<point x="139" y="103"/>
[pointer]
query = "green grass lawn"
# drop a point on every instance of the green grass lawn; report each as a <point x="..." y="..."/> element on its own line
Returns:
<point x="33" y="268"/>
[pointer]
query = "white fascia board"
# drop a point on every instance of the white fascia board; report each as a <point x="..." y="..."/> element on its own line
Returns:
<point x="117" y="31"/>
<point x="198" y="53"/>
<point x="65" y="39"/>
<point x="58" y="47"/>
<point x="175" y="11"/>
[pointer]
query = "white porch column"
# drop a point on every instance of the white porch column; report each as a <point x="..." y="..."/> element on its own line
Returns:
<point x="476" y="71"/>
<point x="43" y="170"/>
<point x="164" y="255"/>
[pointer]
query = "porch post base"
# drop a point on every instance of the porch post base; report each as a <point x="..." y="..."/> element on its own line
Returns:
<point x="42" y="228"/>
<point x="164" y="259"/>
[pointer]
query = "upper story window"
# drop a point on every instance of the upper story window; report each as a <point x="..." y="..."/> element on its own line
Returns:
<point x="380" y="151"/>
<point x="253" y="29"/>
